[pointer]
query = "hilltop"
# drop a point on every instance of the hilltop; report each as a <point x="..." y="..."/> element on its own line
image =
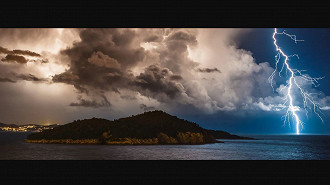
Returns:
<point x="153" y="127"/>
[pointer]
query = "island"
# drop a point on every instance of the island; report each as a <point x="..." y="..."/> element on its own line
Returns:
<point x="148" y="128"/>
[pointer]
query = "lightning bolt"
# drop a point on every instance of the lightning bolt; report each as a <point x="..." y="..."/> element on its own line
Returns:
<point x="291" y="108"/>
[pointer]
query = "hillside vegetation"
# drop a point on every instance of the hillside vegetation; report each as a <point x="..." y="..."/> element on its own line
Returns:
<point x="154" y="127"/>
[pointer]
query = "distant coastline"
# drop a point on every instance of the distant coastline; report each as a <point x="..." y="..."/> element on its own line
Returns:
<point x="123" y="141"/>
<point x="25" y="128"/>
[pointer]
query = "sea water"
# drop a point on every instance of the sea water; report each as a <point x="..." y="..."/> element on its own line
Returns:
<point x="267" y="147"/>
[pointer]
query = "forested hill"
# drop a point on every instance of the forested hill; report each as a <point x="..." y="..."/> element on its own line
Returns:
<point x="154" y="127"/>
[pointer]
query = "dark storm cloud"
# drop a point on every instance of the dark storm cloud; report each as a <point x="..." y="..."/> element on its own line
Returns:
<point x="101" y="58"/>
<point x="5" y="50"/>
<point x="115" y="90"/>
<point x="19" y="56"/>
<point x="7" y="80"/>
<point x="81" y="89"/>
<point x="128" y="97"/>
<point x="208" y="70"/>
<point x="153" y="38"/>
<point x="114" y="43"/>
<point x="29" y="77"/>
<point x="155" y="80"/>
<point x="146" y="108"/>
<point x="66" y="77"/>
<point x="14" y="77"/>
<point x="26" y="52"/>
<point x="176" y="77"/>
<point x="107" y="59"/>
<point x="104" y="58"/>
<point x="69" y="78"/>
<point x="14" y="58"/>
<point x="92" y="104"/>
<point x="19" y="52"/>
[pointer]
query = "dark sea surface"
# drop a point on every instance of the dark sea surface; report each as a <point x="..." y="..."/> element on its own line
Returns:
<point x="267" y="147"/>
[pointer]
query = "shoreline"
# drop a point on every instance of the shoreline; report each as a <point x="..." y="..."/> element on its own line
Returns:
<point x="98" y="142"/>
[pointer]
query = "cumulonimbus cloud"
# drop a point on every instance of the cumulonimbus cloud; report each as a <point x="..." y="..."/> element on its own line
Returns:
<point x="105" y="59"/>
<point x="198" y="68"/>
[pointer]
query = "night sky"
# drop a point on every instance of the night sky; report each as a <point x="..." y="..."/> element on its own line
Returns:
<point x="215" y="77"/>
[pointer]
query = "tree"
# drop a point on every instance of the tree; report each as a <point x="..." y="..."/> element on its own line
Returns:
<point x="105" y="136"/>
<point x="165" y="139"/>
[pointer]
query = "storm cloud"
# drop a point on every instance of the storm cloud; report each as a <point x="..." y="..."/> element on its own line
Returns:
<point x="134" y="69"/>
<point x="157" y="64"/>
<point x="14" y="77"/>
<point x="101" y="58"/>
<point x="14" y="58"/>
<point x="6" y="80"/>
<point x="208" y="70"/>
<point x="19" y="52"/>
<point x="92" y="104"/>
<point x="155" y="81"/>
<point x="104" y="59"/>
<point x="29" y="77"/>
<point x="146" y="108"/>
<point x="21" y="56"/>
